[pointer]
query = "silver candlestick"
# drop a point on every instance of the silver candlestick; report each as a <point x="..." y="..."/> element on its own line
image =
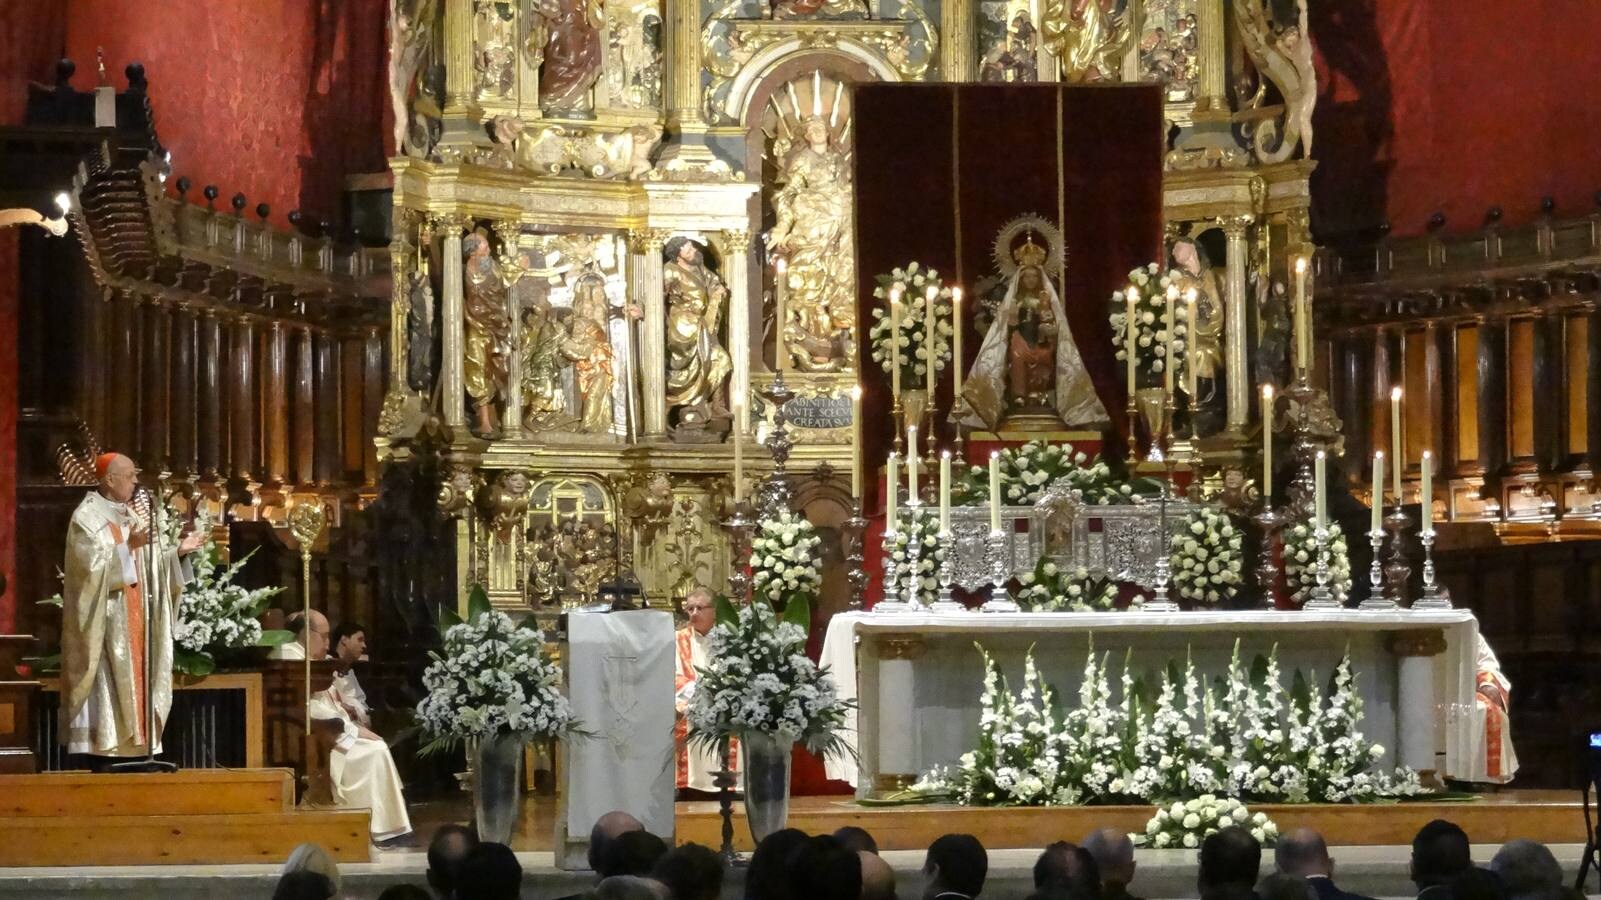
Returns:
<point x="891" y="602"/>
<point x="1322" y="598"/>
<point x="855" y="544"/>
<point x="740" y="525"/>
<point x="1435" y="596"/>
<point x="1159" y="601"/>
<point x="1377" y="601"/>
<point x="947" y="576"/>
<point x="1267" y="569"/>
<point x="914" y="555"/>
<point x="1000" y="600"/>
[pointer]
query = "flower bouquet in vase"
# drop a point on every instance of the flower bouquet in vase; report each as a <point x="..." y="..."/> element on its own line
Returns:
<point x="1185" y="824"/>
<point x="494" y="688"/>
<point x="760" y="687"/>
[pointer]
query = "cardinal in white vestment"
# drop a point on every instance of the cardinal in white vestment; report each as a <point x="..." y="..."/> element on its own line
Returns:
<point x="1493" y="759"/>
<point x="697" y="765"/>
<point x="361" y="767"/>
<point x="114" y="579"/>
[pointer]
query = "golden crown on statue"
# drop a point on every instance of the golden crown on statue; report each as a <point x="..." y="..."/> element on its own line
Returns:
<point x="1030" y="253"/>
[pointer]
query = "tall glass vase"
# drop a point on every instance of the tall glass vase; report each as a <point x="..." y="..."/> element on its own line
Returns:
<point x="497" y="786"/>
<point x="767" y="759"/>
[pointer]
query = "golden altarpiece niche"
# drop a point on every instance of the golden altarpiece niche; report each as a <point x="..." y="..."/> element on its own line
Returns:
<point x="616" y="221"/>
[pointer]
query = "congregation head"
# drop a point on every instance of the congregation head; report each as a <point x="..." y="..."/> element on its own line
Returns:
<point x="489" y="872"/>
<point x="631" y="853"/>
<point x="1440" y="852"/>
<point x="404" y="892"/>
<point x="607" y="828"/>
<point x="1113" y="852"/>
<point x="821" y="866"/>
<point x="309" y="857"/>
<point x="956" y="867"/>
<point x="878" y="877"/>
<point x="1284" y="886"/>
<point x="856" y="838"/>
<point x="1230" y="861"/>
<point x="629" y="887"/>
<point x="767" y="878"/>
<point x="690" y="872"/>
<point x="303" y="885"/>
<point x="1301" y="852"/>
<point x="450" y="847"/>
<point x="1528" y="870"/>
<point x="1069" y="868"/>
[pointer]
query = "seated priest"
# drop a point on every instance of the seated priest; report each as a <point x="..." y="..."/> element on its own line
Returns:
<point x="697" y="765"/>
<point x="1493" y="759"/>
<point x="349" y="642"/>
<point x="361" y="768"/>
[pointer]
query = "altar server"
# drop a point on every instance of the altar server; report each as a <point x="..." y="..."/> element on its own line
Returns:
<point x="697" y="765"/>
<point x="114" y="579"/>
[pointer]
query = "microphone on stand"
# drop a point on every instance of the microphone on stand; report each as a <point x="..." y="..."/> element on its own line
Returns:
<point x="150" y="582"/>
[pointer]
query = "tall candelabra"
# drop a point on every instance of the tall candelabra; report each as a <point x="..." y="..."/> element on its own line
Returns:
<point x="725" y="780"/>
<point x="740" y="525"/>
<point x="855" y="529"/>
<point x="775" y="492"/>
<point x="995" y="551"/>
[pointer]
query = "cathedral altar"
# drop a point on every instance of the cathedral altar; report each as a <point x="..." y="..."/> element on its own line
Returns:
<point x="917" y="676"/>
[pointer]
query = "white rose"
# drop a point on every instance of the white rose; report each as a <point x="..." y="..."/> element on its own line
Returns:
<point x="1191" y="842"/>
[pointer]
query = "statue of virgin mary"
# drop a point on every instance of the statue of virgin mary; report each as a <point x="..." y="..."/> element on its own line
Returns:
<point x="1028" y="359"/>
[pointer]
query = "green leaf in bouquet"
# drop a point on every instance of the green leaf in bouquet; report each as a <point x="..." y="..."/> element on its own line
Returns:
<point x="798" y="611"/>
<point x="477" y="602"/>
<point x="274" y="637"/>
<point x="192" y="662"/>
<point x="727" y="613"/>
<point x="448" y="618"/>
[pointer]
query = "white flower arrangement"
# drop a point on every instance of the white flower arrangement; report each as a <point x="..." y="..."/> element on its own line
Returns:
<point x="493" y="676"/>
<point x="214" y="614"/>
<point x="1207" y="558"/>
<point x="913" y="283"/>
<point x="923" y="527"/>
<point x="1300" y="561"/>
<point x="1152" y="319"/>
<point x="1029" y="470"/>
<point x="1053" y="588"/>
<point x="760" y="680"/>
<point x="1236" y="740"/>
<point x="1186" y="823"/>
<point x="783" y="558"/>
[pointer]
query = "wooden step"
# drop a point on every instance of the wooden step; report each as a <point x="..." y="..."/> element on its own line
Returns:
<point x="181" y="840"/>
<point x="190" y="792"/>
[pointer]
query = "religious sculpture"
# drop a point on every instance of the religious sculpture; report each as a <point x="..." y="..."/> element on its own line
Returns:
<point x="488" y="332"/>
<point x="812" y="235"/>
<point x="420" y="328"/>
<point x="634" y="55"/>
<point x="1273" y="323"/>
<point x="1283" y="55"/>
<point x="558" y="149"/>
<point x="1169" y="48"/>
<point x="412" y="31"/>
<point x="588" y="347"/>
<point x="697" y="363"/>
<point x="829" y="9"/>
<point x="540" y="345"/>
<point x="570" y="51"/>
<point x="1204" y="338"/>
<point x="1028" y="361"/>
<point x="1012" y="59"/>
<point x="494" y="55"/>
<point x="1090" y="37"/>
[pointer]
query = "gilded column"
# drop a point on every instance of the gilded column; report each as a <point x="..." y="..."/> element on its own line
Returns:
<point x="512" y="424"/>
<point x="209" y="422"/>
<point x="404" y="254"/>
<point x="1235" y="320"/>
<point x="243" y="405"/>
<point x="736" y="246"/>
<point x="458" y="57"/>
<point x="304" y="407"/>
<point x="184" y="413"/>
<point x="653" y="356"/>
<point x="638" y="294"/>
<point x="452" y="389"/>
<point x="683" y="63"/>
<point x="957" y="42"/>
<point x="275" y="402"/>
<point x="1211" y="93"/>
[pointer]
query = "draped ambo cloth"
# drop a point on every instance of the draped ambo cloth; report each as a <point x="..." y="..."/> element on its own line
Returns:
<point x="941" y="169"/>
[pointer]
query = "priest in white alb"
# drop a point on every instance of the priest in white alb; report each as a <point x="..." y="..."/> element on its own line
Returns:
<point x="362" y="770"/>
<point x="697" y="765"/>
<point x="1493" y="759"/>
<point x="114" y="579"/>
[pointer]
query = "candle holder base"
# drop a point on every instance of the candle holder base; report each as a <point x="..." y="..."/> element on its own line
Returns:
<point x="1267" y="569"/>
<point x="895" y="606"/>
<point x="1434" y="596"/>
<point x="1376" y="600"/>
<point x="1003" y="604"/>
<point x="1322" y="599"/>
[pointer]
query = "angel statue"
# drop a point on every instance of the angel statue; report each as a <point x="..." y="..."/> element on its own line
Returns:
<point x="1028" y="360"/>
<point x="1284" y="55"/>
<point x="813" y="235"/>
<point x="697" y="363"/>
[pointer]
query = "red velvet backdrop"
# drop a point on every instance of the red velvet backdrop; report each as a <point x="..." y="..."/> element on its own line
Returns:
<point x="279" y="99"/>
<point x="31" y="35"/>
<point x="941" y="168"/>
<point x="1454" y="106"/>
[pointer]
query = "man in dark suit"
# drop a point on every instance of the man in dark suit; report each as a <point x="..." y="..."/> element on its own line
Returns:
<point x="1440" y="854"/>
<point x="1303" y="854"/>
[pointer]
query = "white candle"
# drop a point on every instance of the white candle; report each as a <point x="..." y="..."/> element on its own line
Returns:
<point x="1267" y="444"/>
<point x="1189" y="353"/>
<point x="1319" y="495"/>
<point x="1303" y="328"/>
<point x="1426" y="499"/>
<point x="1378" y="491"/>
<point x="1396" y="459"/>
<point x="781" y="286"/>
<point x="891" y="485"/>
<point x="856" y="441"/>
<point x="1128" y="339"/>
<point x="945" y="492"/>
<point x="739" y="452"/>
<point x="895" y="342"/>
<point x="995" y="490"/>
<point x="913" y="449"/>
<point x="956" y="341"/>
<point x="929" y="330"/>
<point x="1170" y="317"/>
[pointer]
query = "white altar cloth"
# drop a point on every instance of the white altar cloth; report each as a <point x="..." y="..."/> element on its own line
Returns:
<point x="940" y="687"/>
